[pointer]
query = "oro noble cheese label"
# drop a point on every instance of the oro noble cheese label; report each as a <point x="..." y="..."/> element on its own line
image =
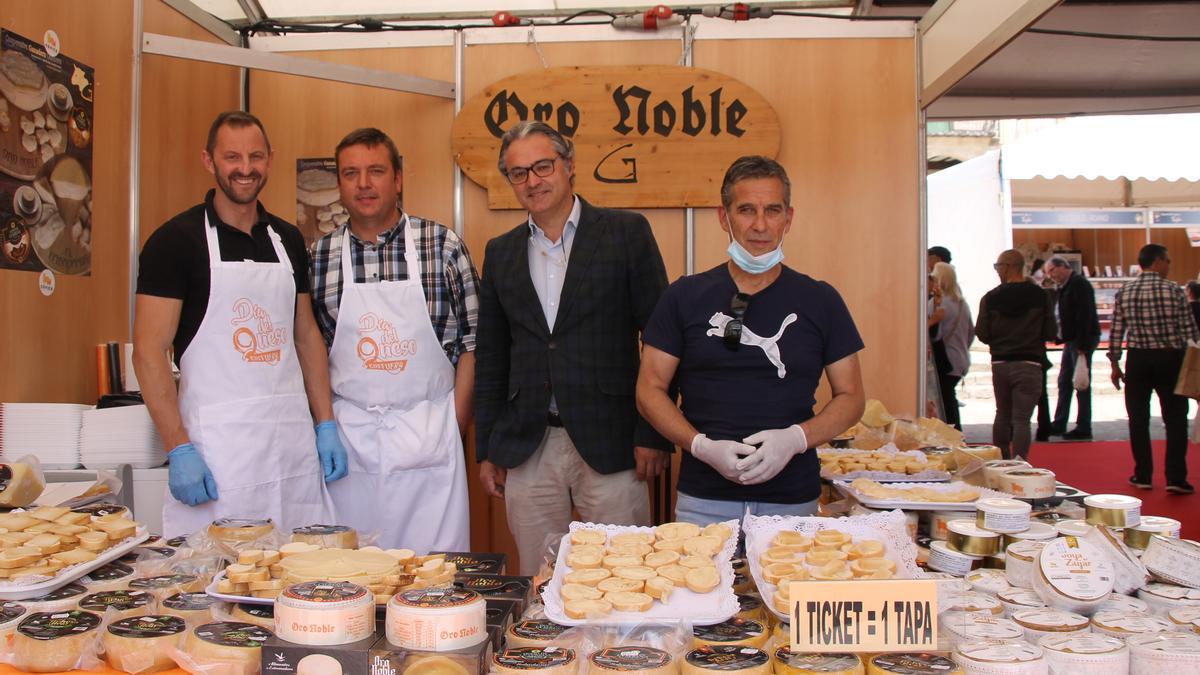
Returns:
<point x="632" y="658"/>
<point x="555" y="660"/>
<point x="436" y="619"/>
<point x="325" y="613"/>
<point x="727" y="659"/>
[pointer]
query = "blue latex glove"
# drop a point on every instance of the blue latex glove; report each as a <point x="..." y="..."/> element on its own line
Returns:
<point x="334" y="462"/>
<point x="188" y="476"/>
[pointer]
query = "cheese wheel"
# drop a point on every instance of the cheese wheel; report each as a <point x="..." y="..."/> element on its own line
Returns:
<point x="1072" y="528"/>
<point x="1124" y="603"/>
<point x="1038" y="623"/>
<point x="123" y="603"/>
<point x="262" y="616"/>
<point x="631" y="659"/>
<point x="1038" y="531"/>
<point x="11" y="614"/>
<point x="912" y="663"/>
<point x="435" y="619"/>
<point x="726" y="659"/>
<point x="327" y="536"/>
<point x="735" y="631"/>
<point x="114" y="576"/>
<point x="989" y="658"/>
<point x="142" y="644"/>
<point x="20" y="485"/>
<point x="587" y="609"/>
<point x="1020" y="559"/>
<point x="1014" y="600"/>
<point x="234" y="534"/>
<point x="191" y="607"/>
<point x="788" y="662"/>
<point x="943" y="558"/>
<point x="1139" y="536"/>
<point x="50" y="642"/>
<point x="1028" y="483"/>
<point x="168" y="584"/>
<point x="59" y="600"/>
<point x="533" y="633"/>
<point x="956" y="627"/>
<point x="1000" y="514"/>
<point x="549" y="660"/>
<point x="1073" y="575"/>
<point x="993" y="469"/>
<point x="1085" y="654"/>
<point x="751" y="607"/>
<point x="325" y="613"/>
<point x="318" y="664"/>
<point x="1159" y="653"/>
<point x="964" y="536"/>
<point x="227" y="647"/>
<point x="1113" y="510"/>
<point x="1122" y="624"/>
<point x="987" y="581"/>
<point x="1176" y="561"/>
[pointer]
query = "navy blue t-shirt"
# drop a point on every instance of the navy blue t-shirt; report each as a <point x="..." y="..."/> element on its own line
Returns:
<point x="793" y="329"/>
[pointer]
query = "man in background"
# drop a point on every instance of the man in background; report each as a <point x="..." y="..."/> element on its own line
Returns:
<point x="1079" y="330"/>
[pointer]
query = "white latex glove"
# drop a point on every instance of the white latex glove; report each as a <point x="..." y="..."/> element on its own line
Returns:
<point x="720" y="455"/>
<point x="776" y="447"/>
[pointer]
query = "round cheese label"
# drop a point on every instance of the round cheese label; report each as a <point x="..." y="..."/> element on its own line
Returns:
<point x="913" y="663"/>
<point x="321" y="530"/>
<point x="177" y="542"/>
<point x="10" y="611"/>
<point x="437" y="598"/>
<point x="148" y="626"/>
<point x="727" y="657"/>
<point x="98" y="510"/>
<point x="534" y="658"/>
<point x="1048" y="618"/>
<point x="1076" y="569"/>
<point x="630" y="658"/>
<point x="233" y="634"/>
<point x="468" y="564"/>
<point x="818" y="663"/>
<point x="118" y="600"/>
<point x="164" y="581"/>
<point x="113" y="571"/>
<point x="189" y="601"/>
<point x="325" y="591"/>
<point x="53" y="625"/>
<point x="64" y="593"/>
<point x="1083" y="643"/>
<point x="258" y="611"/>
<point x="537" y="629"/>
<point x="732" y="630"/>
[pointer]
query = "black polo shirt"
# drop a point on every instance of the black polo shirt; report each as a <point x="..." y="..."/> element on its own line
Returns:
<point x="174" y="261"/>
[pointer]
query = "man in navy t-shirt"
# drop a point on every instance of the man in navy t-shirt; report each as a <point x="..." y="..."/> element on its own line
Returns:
<point x="746" y="343"/>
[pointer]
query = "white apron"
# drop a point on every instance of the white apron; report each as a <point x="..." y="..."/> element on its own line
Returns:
<point x="242" y="399"/>
<point x="394" y="402"/>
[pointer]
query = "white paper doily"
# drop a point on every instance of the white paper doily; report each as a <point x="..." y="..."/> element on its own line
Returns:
<point x="890" y="527"/>
<point x="701" y="609"/>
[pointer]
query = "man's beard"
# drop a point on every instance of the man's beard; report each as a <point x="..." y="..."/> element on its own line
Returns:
<point x="226" y="185"/>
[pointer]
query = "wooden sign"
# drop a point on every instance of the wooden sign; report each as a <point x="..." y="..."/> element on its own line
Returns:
<point x="863" y="616"/>
<point x="645" y="136"/>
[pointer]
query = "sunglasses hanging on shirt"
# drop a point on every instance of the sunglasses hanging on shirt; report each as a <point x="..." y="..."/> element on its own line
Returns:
<point x="733" y="329"/>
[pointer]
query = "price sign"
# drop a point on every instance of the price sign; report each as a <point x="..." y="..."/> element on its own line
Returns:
<point x="863" y="616"/>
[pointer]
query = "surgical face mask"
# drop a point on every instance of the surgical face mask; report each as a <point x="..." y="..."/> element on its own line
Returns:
<point x="754" y="264"/>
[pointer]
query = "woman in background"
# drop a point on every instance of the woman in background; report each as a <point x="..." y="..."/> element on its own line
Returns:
<point x="956" y="331"/>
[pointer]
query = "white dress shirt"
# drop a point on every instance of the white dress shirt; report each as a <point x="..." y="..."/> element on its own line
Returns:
<point x="548" y="268"/>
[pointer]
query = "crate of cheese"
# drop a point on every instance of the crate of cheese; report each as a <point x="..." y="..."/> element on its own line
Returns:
<point x="612" y="575"/>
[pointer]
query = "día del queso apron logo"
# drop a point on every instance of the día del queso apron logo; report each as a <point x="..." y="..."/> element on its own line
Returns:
<point x="256" y="337"/>
<point x="379" y="347"/>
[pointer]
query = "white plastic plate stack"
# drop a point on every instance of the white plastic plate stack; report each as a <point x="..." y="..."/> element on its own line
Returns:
<point x="48" y="430"/>
<point x="125" y="435"/>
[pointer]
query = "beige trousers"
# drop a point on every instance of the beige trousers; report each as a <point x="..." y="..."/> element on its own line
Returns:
<point x="540" y="493"/>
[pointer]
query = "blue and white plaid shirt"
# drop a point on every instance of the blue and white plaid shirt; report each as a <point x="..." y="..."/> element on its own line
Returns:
<point x="448" y="278"/>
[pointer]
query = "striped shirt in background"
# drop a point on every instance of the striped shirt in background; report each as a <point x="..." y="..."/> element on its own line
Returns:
<point x="1151" y="312"/>
<point x="448" y="278"/>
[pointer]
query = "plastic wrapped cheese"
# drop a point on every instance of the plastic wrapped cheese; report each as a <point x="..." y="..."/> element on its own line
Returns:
<point x="325" y="613"/>
<point x="115" y="576"/>
<point x="735" y="632"/>
<point x="546" y="660"/>
<point x="20" y="484"/>
<point x="788" y="662"/>
<point x="228" y="647"/>
<point x="11" y="614"/>
<point x="59" y="600"/>
<point x="533" y="633"/>
<point x="711" y="659"/>
<point x="123" y="603"/>
<point x="259" y="615"/>
<point x="48" y="642"/>
<point x="912" y="663"/>
<point x="194" y="608"/>
<point x="631" y="659"/>
<point x="234" y="534"/>
<point x="1038" y="623"/>
<point x="143" y="644"/>
<point x="434" y="619"/>
<point x="327" y="536"/>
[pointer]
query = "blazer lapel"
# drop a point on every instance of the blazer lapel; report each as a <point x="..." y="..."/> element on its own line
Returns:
<point x="587" y="239"/>
<point x="527" y="294"/>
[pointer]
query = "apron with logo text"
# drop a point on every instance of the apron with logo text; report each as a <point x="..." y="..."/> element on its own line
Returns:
<point x="394" y="403"/>
<point x="242" y="399"/>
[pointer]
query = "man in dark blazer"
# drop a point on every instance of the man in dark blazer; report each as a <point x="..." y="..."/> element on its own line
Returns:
<point x="563" y="299"/>
<point x="1079" y="329"/>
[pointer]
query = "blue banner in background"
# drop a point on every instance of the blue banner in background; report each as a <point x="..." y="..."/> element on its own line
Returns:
<point x="1078" y="218"/>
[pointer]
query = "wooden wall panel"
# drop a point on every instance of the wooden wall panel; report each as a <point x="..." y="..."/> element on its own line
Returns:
<point x="49" y="352"/>
<point x="1185" y="260"/>
<point x="175" y="120"/>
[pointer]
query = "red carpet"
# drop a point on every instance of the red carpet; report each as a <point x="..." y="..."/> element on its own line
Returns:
<point x="1105" y="466"/>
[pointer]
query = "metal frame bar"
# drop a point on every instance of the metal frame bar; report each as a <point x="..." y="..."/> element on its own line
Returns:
<point x="205" y="20"/>
<point x="923" y="232"/>
<point x="165" y="45"/>
<point x="135" y="159"/>
<point x="459" y="75"/>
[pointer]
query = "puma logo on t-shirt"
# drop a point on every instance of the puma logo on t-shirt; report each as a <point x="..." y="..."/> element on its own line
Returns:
<point x="769" y="345"/>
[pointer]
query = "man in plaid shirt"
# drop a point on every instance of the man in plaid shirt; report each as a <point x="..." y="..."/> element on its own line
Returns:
<point x="1151" y="318"/>
<point x="396" y="298"/>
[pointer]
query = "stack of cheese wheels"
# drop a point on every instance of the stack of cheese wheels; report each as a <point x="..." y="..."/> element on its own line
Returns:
<point x="912" y="663"/>
<point x="226" y="647"/>
<point x="58" y="600"/>
<point x="1073" y="575"/>
<point x="325" y="613"/>
<point x="944" y="558"/>
<point x="726" y="659"/>
<point x="824" y="556"/>
<point x="965" y="536"/>
<point x="1014" y="600"/>
<point x="522" y="660"/>
<point x="1037" y="531"/>
<point x="194" y="608"/>
<point x="1129" y="574"/>
<point x="122" y="604"/>
<point x="436" y="620"/>
<point x="630" y="570"/>
<point x="1160" y="653"/>
<point x="234" y="534"/>
<point x="989" y="658"/>
<point x="54" y="642"/>
<point x="1139" y="535"/>
<point x="1038" y="623"/>
<point x="956" y="627"/>
<point x="631" y="659"/>
<point x="48" y="539"/>
<point x="533" y="633"/>
<point x="1118" y="511"/>
<point x="264" y="573"/>
<point x="993" y="469"/>
<point x="143" y="644"/>
<point x="788" y="662"/>
<point x="1176" y="561"/>
<point x="999" y="514"/>
<point x="731" y="632"/>
<point x="1027" y="482"/>
<point x="327" y="536"/>
<point x="1085" y="654"/>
